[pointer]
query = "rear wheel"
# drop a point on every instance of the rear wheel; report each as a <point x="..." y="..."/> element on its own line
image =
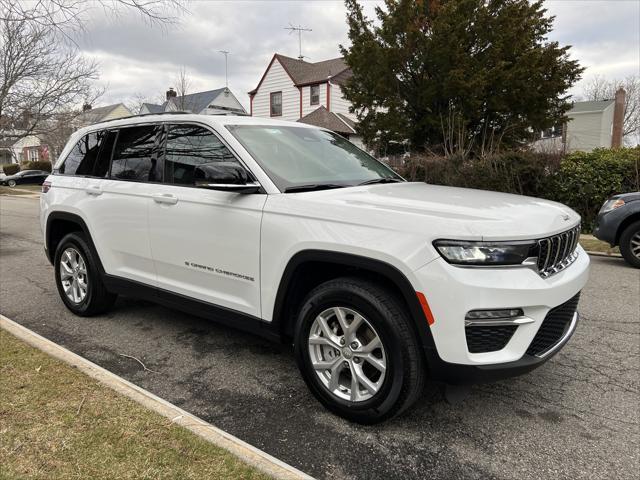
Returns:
<point x="11" y="183"/>
<point x="78" y="279"/>
<point x="630" y="244"/>
<point x="357" y="352"/>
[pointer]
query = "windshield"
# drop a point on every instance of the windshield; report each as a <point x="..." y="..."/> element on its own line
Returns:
<point x="308" y="157"/>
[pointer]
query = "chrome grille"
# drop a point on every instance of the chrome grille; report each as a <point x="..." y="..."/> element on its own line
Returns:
<point x="557" y="252"/>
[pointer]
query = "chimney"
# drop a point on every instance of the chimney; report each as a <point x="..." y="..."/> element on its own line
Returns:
<point x="171" y="93"/>
<point x="618" y="118"/>
<point x="86" y="106"/>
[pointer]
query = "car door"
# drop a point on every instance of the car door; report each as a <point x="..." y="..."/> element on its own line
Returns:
<point x="116" y="190"/>
<point x="205" y="243"/>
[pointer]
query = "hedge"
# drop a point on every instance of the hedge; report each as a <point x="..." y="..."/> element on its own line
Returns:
<point x="38" y="165"/>
<point x="581" y="180"/>
<point x="11" y="168"/>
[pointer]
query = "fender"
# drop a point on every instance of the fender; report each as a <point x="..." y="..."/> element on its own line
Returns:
<point x="72" y="218"/>
<point x="386" y="270"/>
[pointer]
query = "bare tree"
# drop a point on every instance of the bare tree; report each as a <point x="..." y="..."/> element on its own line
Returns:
<point x="38" y="77"/>
<point x="183" y="86"/>
<point x="599" y="88"/>
<point x="68" y="16"/>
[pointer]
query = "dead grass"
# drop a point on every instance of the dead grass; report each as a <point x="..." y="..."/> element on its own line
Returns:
<point x="592" y="244"/>
<point x="56" y="422"/>
<point x="20" y="190"/>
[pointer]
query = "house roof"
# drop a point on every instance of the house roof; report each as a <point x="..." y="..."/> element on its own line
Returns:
<point x="305" y="73"/>
<point x="591" y="106"/>
<point x="196" y="102"/>
<point x="321" y="117"/>
<point x="153" y="108"/>
<point x="97" y="114"/>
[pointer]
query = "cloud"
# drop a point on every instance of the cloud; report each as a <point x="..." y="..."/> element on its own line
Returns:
<point x="136" y="57"/>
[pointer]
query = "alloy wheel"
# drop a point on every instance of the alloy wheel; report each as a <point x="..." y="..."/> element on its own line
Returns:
<point x="73" y="275"/>
<point x="635" y="245"/>
<point x="347" y="354"/>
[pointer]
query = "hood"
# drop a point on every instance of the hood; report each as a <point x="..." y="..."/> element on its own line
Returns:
<point x="438" y="211"/>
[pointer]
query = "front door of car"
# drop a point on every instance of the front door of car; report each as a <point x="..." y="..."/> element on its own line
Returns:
<point x="205" y="242"/>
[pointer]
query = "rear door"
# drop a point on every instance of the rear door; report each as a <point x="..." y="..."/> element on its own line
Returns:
<point x="205" y="243"/>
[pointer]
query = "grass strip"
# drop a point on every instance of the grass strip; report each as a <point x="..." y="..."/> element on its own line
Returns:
<point x="592" y="244"/>
<point x="56" y="422"/>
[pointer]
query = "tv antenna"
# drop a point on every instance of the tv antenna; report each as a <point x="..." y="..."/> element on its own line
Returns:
<point x="299" y="29"/>
<point x="226" y="69"/>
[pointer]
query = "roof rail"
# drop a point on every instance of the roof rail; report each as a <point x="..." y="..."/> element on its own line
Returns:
<point x="179" y="112"/>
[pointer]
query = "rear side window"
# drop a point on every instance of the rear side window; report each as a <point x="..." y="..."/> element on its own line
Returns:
<point x="135" y="155"/>
<point x="101" y="167"/>
<point x="81" y="159"/>
<point x="189" y="146"/>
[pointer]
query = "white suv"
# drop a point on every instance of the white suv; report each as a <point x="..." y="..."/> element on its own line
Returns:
<point x="293" y="233"/>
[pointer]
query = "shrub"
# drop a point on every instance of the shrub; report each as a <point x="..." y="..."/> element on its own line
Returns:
<point x="38" y="165"/>
<point x="11" y="168"/>
<point x="580" y="180"/>
<point x="585" y="180"/>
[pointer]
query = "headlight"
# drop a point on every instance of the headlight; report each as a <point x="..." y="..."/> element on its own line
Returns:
<point x="611" y="204"/>
<point x="485" y="253"/>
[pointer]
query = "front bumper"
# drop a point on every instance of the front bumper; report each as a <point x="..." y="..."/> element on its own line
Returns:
<point x="453" y="291"/>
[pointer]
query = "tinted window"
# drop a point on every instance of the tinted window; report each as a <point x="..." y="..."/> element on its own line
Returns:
<point x="135" y="154"/>
<point x="101" y="167"/>
<point x="81" y="159"/>
<point x="189" y="146"/>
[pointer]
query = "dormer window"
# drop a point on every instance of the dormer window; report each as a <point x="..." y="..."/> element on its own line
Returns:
<point x="315" y="95"/>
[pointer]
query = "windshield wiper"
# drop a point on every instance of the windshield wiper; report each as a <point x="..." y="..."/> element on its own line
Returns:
<point x="312" y="187"/>
<point x="381" y="180"/>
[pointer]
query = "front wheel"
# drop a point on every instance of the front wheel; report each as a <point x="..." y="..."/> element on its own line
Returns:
<point x="630" y="244"/>
<point x="357" y="352"/>
<point x="11" y="183"/>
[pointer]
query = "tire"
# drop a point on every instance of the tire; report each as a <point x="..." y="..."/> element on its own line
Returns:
<point x="11" y="183"/>
<point x="95" y="299"/>
<point x="380" y="314"/>
<point x="630" y="244"/>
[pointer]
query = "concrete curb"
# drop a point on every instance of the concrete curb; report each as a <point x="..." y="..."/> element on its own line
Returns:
<point x="245" y="452"/>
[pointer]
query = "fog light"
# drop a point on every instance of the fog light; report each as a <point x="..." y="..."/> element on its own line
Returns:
<point x="494" y="314"/>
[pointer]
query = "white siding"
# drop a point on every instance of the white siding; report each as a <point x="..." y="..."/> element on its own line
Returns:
<point x="586" y="131"/>
<point x="224" y="99"/>
<point x="339" y="104"/>
<point x="277" y="80"/>
<point x="306" y="99"/>
<point x="119" y="112"/>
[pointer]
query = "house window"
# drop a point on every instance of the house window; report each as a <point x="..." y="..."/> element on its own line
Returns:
<point x="33" y="154"/>
<point x="315" y="95"/>
<point x="555" y="131"/>
<point x="276" y="104"/>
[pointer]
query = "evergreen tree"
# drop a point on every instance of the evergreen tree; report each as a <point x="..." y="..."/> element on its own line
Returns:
<point x="459" y="76"/>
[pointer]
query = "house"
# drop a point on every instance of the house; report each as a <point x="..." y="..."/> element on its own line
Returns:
<point x="211" y="102"/>
<point x="592" y="124"/>
<point x="26" y="149"/>
<point x="296" y="90"/>
<point x="92" y="115"/>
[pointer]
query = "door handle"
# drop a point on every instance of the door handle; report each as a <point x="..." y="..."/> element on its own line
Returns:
<point x="165" y="198"/>
<point x="93" y="190"/>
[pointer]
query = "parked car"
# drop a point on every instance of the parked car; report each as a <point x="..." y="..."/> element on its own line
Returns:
<point x="33" y="177"/>
<point x="292" y="232"/>
<point x="618" y="223"/>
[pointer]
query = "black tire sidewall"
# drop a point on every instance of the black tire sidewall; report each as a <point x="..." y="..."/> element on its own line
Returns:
<point x="625" y="244"/>
<point x="77" y="242"/>
<point x="384" y="400"/>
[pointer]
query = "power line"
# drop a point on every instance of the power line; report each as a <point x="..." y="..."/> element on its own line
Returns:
<point x="299" y="29"/>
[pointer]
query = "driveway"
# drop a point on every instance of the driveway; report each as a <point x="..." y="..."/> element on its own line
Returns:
<point x="575" y="417"/>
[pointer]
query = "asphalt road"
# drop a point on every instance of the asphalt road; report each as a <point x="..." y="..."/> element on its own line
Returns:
<point x="575" y="417"/>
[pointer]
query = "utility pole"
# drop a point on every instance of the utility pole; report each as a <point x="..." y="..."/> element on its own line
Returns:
<point x="226" y="69"/>
<point x="299" y="29"/>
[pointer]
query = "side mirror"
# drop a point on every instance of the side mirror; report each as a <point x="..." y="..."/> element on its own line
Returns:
<point x="225" y="176"/>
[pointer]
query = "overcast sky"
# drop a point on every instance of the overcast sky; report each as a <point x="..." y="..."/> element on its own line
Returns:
<point x="137" y="58"/>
